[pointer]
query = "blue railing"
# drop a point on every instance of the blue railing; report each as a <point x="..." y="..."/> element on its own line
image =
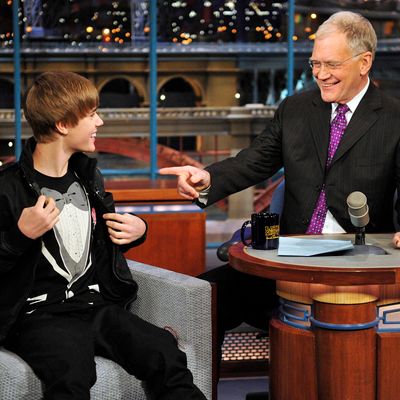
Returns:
<point x="17" y="81"/>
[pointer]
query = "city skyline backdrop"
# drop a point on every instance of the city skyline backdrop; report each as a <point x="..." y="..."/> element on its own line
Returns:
<point x="182" y="22"/>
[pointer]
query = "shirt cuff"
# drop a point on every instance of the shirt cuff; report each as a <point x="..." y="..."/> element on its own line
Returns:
<point x="203" y="195"/>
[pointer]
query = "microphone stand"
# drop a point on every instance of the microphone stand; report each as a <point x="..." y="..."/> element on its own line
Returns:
<point x="359" y="217"/>
<point x="361" y="248"/>
<point x="360" y="236"/>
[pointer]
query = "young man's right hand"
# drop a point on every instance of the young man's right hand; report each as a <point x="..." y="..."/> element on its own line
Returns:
<point x="40" y="218"/>
<point x="191" y="180"/>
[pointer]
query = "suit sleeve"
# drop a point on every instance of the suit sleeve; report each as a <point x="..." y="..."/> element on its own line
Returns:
<point x="262" y="159"/>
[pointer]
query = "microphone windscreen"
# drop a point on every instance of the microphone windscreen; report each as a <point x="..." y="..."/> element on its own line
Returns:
<point x="357" y="201"/>
<point x="358" y="209"/>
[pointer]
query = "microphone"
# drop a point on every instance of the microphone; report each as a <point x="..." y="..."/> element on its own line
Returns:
<point x="358" y="209"/>
<point x="359" y="216"/>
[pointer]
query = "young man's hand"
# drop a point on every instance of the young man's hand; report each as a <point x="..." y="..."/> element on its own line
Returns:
<point x="124" y="228"/>
<point x="36" y="220"/>
<point x="191" y="180"/>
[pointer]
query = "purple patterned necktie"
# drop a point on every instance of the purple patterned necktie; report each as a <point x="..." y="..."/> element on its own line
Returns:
<point x="338" y="126"/>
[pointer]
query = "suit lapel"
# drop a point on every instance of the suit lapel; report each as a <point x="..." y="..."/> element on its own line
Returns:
<point x="319" y="126"/>
<point x="363" y="118"/>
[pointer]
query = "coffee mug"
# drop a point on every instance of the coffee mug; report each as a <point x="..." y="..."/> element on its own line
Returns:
<point x="264" y="231"/>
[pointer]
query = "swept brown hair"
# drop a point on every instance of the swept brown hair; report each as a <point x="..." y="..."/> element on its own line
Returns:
<point x="58" y="97"/>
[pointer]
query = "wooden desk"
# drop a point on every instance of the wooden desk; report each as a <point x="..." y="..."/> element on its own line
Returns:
<point x="175" y="240"/>
<point x="148" y="196"/>
<point x="337" y="335"/>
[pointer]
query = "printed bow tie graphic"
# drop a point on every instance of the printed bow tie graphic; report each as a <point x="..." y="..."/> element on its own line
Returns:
<point x="74" y="195"/>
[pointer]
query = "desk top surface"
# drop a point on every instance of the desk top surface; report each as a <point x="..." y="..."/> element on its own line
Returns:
<point x="146" y="191"/>
<point x="328" y="269"/>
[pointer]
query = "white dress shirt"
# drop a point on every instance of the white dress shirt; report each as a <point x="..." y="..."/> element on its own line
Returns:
<point x="331" y="225"/>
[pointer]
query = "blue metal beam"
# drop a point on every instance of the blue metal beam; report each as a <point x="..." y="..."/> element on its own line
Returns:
<point x="290" y="47"/>
<point x="17" y="79"/>
<point x="153" y="89"/>
<point x="136" y="171"/>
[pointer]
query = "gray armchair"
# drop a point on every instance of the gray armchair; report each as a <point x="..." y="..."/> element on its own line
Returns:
<point x="165" y="298"/>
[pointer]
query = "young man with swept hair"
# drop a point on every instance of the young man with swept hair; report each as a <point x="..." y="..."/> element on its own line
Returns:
<point x="64" y="283"/>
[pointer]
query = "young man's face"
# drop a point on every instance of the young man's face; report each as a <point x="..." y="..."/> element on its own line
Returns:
<point x="82" y="137"/>
<point x="340" y="74"/>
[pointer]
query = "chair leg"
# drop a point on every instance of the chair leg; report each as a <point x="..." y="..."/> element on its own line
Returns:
<point x="257" y="396"/>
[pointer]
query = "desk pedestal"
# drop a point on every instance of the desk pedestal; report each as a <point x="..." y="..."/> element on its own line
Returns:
<point x="330" y="351"/>
<point x="292" y="363"/>
<point x="388" y="371"/>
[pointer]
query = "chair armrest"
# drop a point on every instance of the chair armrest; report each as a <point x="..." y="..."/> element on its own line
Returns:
<point x="223" y="249"/>
<point x="184" y="303"/>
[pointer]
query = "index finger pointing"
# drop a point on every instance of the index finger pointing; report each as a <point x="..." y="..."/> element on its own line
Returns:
<point x="172" y="171"/>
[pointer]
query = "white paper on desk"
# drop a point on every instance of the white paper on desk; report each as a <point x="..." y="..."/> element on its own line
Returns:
<point x="289" y="246"/>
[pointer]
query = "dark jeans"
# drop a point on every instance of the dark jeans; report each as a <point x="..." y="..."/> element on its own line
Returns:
<point x="241" y="298"/>
<point x="60" y="348"/>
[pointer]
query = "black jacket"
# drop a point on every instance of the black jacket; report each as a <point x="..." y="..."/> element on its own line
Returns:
<point x="19" y="255"/>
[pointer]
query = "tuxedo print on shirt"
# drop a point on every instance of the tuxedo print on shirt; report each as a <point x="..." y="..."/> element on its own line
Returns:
<point x="71" y="257"/>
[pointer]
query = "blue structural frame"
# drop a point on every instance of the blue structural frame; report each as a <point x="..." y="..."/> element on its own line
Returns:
<point x="292" y="314"/>
<point x="17" y="80"/>
<point x="153" y="89"/>
<point x="344" y="327"/>
<point x="290" y="47"/>
<point x="299" y="316"/>
<point x="152" y="171"/>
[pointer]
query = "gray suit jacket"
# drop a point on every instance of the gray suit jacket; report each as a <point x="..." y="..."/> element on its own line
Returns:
<point x="297" y="138"/>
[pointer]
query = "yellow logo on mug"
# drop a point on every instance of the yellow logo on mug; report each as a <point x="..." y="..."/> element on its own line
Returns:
<point x="272" y="232"/>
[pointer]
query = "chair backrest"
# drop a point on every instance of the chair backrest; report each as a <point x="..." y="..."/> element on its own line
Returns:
<point x="395" y="214"/>
<point x="277" y="199"/>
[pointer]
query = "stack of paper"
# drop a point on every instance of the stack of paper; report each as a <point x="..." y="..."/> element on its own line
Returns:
<point x="289" y="246"/>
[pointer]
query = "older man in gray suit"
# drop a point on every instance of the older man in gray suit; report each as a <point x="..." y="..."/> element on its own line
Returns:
<point x="342" y="137"/>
